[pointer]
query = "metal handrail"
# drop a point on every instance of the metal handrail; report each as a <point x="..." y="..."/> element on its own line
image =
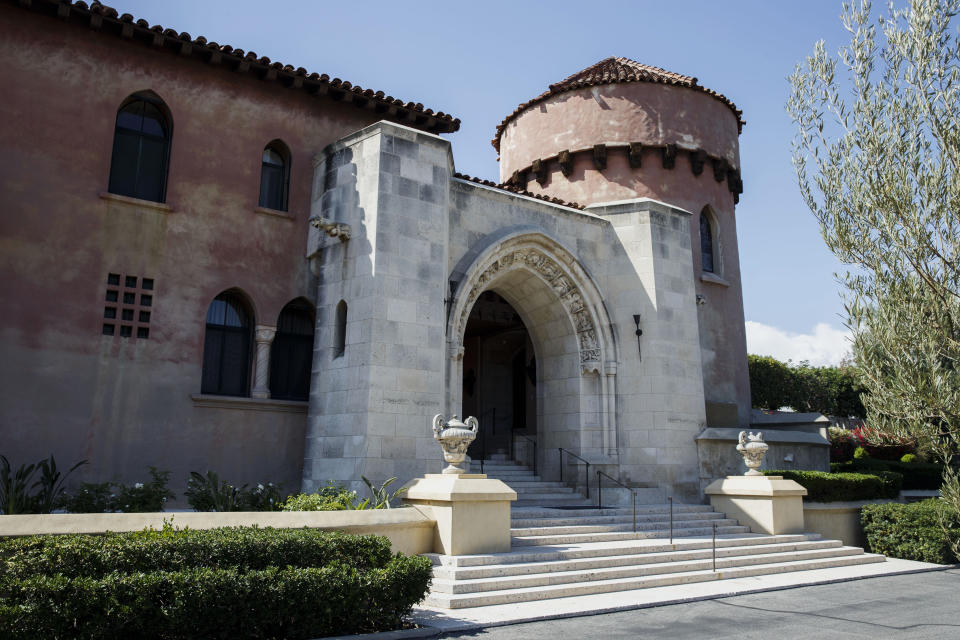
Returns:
<point x="483" y="434"/>
<point x="571" y="453"/>
<point x="534" y="443"/>
<point x="600" y="476"/>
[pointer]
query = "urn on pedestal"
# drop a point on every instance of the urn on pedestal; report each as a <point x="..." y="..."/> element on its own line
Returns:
<point x="753" y="448"/>
<point x="454" y="438"/>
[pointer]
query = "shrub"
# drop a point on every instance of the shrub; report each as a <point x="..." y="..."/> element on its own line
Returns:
<point x="284" y="602"/>
<point x="842" y="444"/>
<point x="842" y="487"/>
<point x="265" y="497"/>
<point x="319" y="502"/>
<point x="912" y="531"/>
<point x="91" y="497"/>
<point x="18" y="495"/>
<point x="209" y="493"/>
<point x="909" y="458"/>
<point x="860" y="453"/>
<point x="916" y="475"/>
<point x="245" y="548"/>
<point x="882" y="445"/>
<point x="223" y="583"/>
<point x="145" y="498"/>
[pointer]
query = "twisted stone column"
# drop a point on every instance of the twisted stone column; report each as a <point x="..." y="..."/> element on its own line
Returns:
<point x="261" y="377"/>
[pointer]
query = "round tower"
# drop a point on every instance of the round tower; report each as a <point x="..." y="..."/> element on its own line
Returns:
<point x="620" y="130"/>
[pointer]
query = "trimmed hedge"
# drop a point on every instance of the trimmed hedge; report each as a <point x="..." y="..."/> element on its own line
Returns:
<point x="844" y="487"/>
<point x="244" y="548"/>
<point x="916" y="475"/>
<point x="222" y="583"/>
<point x="911" y="531"/>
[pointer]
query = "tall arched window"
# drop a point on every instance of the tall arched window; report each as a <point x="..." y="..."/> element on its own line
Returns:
<point x="141" y="148"/>
<point x="291" y="356"/>
<point x="226" y="346"/>
<point x="274" y="176"/>
<point x="340" y="330"/>
<point x="707" y="256"/>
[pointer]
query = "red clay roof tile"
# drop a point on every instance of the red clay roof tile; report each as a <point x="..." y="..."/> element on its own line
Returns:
<point x="111" y="23"/>
<point x="614" y="71"/>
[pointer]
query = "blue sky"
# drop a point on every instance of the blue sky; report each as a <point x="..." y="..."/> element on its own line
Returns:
<point x="479" y="60"/>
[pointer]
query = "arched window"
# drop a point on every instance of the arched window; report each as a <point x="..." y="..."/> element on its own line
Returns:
<point x="226" y="346"/>
<point x="141" y="148"/>
<point x="274" y="176"/>
<point x="291" y="356"/>
<point x="340" y="331"/>
<point x="707" y="255"/>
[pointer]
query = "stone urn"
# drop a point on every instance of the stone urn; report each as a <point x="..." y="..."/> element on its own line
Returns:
<point x="753" y="448"/>
<point x="454" y="438"/>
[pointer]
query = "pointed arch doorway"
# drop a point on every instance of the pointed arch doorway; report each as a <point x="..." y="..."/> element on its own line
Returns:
<point x="569" y="349"/>
<point x="499" y="375"/>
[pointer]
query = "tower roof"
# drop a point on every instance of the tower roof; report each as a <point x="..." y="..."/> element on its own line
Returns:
<point x="615" y="71"/>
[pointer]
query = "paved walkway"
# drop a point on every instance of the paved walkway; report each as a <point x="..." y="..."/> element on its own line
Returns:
<point x="906" y="606"/>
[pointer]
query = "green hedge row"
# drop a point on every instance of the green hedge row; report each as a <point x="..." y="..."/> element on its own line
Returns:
<point x="916" y="475"/>
<point x="843" y="487"/>
<point x="221" y="583"/>
<point x="912" y="531"/>
<point x="245" y="548"/>
<point x="215" y="603"/>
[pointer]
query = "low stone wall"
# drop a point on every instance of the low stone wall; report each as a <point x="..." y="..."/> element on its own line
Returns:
<point x="837" y="520"/>
<point x="408" y="529"/>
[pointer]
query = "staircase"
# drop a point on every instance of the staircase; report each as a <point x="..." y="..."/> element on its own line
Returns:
<point x="562" y="547"/>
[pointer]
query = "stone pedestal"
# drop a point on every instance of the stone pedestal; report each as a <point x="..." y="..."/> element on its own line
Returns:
<point x="766" y="504"/>
<point x="472" y="511"/>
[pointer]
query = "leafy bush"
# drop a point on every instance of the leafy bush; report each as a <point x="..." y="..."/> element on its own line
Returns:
<point x="209" y="493"/>
<point x="91" y="497"/>
<point x="223" y="583"/>
<point x="912" y="531"/>
<point x="247" y="548"/>
<point x="17" y="495"/>
<point x="916" y="475"/>
<point x="860" y="453"/>
<point x="842" y="444"/>
<point x="909" y="458"/>
<point x="883" y="446"/>
<point x="110" y="497"/>
<point x="335" y="497"/>
<point x="843" y="487"/>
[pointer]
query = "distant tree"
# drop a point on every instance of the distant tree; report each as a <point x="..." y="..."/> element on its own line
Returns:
<point x="877" y="154"/>
<point x="833" y="391"/>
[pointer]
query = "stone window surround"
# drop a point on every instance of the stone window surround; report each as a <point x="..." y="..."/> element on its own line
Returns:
<point x="248" y="404"/>
<point x="715" y="276"/>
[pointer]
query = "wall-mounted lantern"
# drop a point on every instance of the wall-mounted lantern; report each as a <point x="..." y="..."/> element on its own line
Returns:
<point x="636" y="321"/>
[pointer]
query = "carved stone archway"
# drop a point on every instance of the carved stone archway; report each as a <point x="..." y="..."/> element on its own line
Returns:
<point x="571" y="287"/>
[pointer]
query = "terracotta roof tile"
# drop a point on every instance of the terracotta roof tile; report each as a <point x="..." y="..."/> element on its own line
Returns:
<point x="523" y="192"/>
<point x="614" y="71"/>
<point x="107" y="20"/>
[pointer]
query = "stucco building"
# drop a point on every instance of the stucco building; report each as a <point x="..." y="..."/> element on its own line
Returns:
<point x="215" y="261"/>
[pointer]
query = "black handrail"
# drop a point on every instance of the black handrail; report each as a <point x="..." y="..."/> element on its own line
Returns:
<point x="483" y="433"/>
<point x="571" y="453"/>
<point x="534" y="443"/>
<point x="600" y="476"/>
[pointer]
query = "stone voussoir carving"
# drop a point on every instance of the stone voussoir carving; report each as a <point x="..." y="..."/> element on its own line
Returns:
<point x="753" y="448"/>
<point x="454" y="438"/>
<point x="556" y="277"/>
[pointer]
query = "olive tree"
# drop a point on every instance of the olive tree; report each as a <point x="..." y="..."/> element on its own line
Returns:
<point x="877" y="155"/>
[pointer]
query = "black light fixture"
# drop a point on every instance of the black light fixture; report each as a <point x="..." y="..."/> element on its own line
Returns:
<point x="636" y="321"/>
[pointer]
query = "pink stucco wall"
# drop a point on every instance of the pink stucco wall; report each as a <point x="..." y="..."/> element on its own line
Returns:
<point x="654" y="115"/>
<point x="126" y="403"/>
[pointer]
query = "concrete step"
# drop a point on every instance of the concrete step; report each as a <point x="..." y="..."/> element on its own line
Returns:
<point x="626" y="559"/>
<point x="622" y="518"/>
<point x="494" y="583"/>
<point x="678" y="525"/>
<point x="626" y="547"/>
<point x="523" y="541"/>
<point x="525" y="490"/>
<point x="548" y="512"/>
<point x="527" y="594"/>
